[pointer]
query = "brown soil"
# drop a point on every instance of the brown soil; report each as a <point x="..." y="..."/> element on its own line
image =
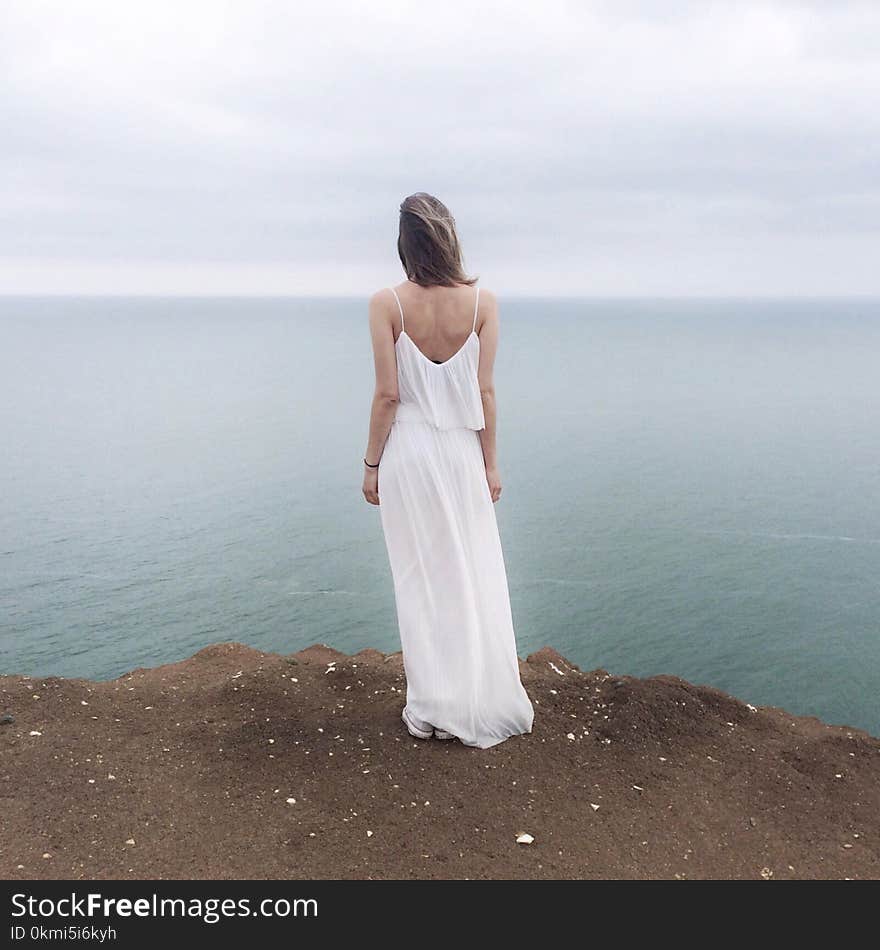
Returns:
<point x="241" y="764"/>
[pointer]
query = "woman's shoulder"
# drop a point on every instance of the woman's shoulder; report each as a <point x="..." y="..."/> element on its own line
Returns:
<point x="487" y="306"/>
<point x="382" y="298"/>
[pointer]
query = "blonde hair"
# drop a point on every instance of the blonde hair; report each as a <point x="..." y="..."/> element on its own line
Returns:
<point x="428" y="243"/>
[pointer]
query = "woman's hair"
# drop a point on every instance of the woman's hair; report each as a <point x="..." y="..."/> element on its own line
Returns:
<point x="428" y="245"/>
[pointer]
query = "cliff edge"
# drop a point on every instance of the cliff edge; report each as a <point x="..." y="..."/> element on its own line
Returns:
<point x="237" y="763"/>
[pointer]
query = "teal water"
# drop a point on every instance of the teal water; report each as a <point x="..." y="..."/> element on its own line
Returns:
<point x="690" y="487"/>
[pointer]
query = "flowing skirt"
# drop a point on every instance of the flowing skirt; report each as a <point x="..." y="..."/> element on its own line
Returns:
<point x="450" y="585"/>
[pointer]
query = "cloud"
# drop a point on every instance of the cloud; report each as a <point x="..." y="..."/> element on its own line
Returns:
<point x="610" y="148"/>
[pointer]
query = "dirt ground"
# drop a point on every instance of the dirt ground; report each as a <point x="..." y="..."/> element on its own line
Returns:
<point x="238" y="764"/>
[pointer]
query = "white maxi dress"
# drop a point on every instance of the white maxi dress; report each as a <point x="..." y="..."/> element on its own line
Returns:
<point x="444" y="548"/>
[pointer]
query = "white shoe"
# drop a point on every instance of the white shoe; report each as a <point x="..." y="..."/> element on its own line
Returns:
<point x="440" y="734"/>
<point x="416" y="728"/>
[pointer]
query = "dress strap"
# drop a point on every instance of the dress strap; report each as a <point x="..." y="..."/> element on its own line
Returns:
<point x="476" y="306"/>
<point x="398" y="306"/>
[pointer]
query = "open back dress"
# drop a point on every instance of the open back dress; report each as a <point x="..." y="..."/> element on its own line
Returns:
<point x="444" y="548"/>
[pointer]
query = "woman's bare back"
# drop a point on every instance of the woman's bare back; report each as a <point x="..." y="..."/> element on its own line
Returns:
<point x="438" y="320"/>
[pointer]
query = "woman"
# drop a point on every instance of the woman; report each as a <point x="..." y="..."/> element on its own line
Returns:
<point x="431" y="467"/>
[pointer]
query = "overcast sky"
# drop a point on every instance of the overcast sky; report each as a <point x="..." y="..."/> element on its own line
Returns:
<point x="619" y="148"/>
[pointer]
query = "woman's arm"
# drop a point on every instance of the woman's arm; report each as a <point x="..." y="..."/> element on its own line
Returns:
<point x="385" y="395"/>
<point x="488" y="349"/>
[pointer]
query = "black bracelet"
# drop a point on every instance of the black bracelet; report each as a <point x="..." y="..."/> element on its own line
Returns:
<point x="368" y="464"/>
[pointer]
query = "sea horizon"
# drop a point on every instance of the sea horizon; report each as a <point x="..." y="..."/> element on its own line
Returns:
<point x="501" y="295"/>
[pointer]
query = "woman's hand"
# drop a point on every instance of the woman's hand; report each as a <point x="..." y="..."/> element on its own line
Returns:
<point x="494" y="480"/>
<point x="371" y="485"/>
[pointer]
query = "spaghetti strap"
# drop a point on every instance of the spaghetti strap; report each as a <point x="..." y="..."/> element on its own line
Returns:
<point x="476" y="306"/>
<point x="398" y="307"/>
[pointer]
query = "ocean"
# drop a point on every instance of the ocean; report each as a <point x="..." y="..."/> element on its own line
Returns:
<point x="691" y="487"/>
